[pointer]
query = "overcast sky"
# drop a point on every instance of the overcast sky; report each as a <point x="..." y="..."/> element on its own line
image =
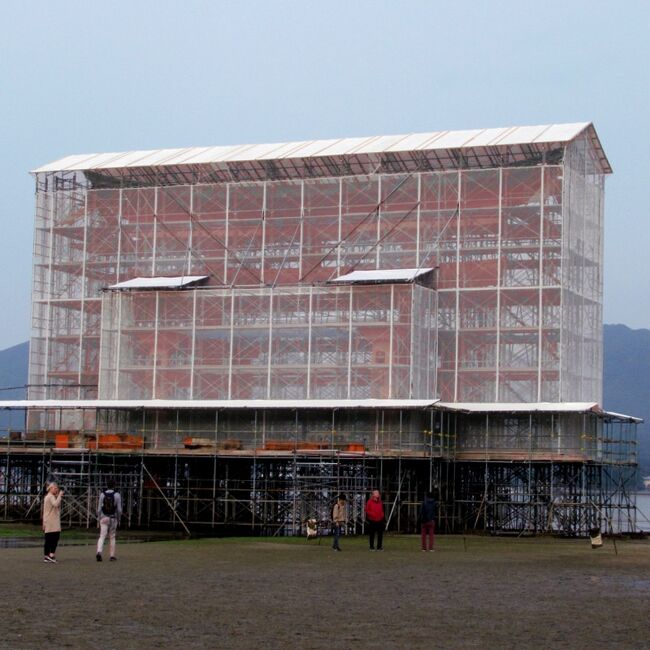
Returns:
<point x="86" y="77"/>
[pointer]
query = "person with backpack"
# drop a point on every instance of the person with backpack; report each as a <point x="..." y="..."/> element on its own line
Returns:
<point x="109" y="511"/>
<point x="339" y="519"/>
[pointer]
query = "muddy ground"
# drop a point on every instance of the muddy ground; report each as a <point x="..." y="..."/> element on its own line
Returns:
<point x="494" y="593"/>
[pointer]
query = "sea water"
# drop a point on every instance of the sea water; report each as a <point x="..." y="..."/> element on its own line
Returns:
<point x="643" y="511"/>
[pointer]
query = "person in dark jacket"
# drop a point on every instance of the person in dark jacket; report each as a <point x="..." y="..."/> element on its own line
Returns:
<point x="109" y="512"/>
<point x="427" y="521"/>
<point x="375" y="519"/>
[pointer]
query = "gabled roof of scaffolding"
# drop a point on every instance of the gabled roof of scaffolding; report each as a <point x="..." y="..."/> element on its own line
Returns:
<point x="517" y="137"/>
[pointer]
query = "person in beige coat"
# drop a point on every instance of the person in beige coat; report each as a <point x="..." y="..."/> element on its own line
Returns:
<point x="339" y="519"/>
<point x="52" y="521"/>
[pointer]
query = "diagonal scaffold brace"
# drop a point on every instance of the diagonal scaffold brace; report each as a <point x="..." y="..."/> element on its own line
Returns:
<point x="169" y="503"/>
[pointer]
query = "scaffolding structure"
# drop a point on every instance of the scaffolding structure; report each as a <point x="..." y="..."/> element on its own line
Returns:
<point x="560" y="472"/>
<point x="544" y="472"/>
<point x="285" y="343"/>
<point x="517" y="245"/>
<point x="240" y="332"/>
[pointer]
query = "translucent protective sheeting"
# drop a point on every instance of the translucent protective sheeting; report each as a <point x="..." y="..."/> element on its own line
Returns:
<point x="358" y="341"/>
<point x="518" y="252"/>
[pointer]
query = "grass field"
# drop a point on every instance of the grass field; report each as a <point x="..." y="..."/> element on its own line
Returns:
<point x="289" y="593"/>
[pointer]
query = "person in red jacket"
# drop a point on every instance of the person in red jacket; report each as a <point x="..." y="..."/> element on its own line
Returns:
<point x="375" y="519"/>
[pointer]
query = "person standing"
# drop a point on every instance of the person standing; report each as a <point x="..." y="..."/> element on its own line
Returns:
<point x="375" y="519"/>
<point x="339" y="519"/>
<point x="427" y="521"/>
<point x="109" y="511"/>
<point x="51" y="521"/>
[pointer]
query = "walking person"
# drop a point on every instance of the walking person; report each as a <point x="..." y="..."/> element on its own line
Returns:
<point x="427" y="519"/>
<point x="51" y="521"/>
<point x="375" y="519"/>
<point x="339" y="519"/>
<point x="109" y="511"/>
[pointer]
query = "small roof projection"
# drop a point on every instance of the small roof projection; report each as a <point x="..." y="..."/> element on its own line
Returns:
<point x="159" y="283"/>
<point x="383" y="275"/>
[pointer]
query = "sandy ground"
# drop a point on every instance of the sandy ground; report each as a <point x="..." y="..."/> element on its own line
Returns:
<point x="496" y="593"/>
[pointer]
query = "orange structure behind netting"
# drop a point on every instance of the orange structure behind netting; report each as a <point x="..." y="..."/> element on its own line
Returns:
<point x="516" y="315"/>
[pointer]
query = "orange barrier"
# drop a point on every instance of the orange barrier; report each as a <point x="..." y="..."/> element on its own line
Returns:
<point x="278" y="445"/>
<point x="229" y="443"/>
<point x="62" y="440"/>
<point x="115" y="441"/>
<point x="312" y="445"/>
<point x="132" y="442"/>
<point x="197" y="443"/>
<point x="301" y="445"/>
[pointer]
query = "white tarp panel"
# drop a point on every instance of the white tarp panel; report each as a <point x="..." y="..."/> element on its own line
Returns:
<point x="159" y="283"/>
<point x="382" y="275"/>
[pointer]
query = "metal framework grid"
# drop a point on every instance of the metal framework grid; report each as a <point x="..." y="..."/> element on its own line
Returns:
<point x="519" y="253"/>
<point x="490" y="472"/>
<point x="512" y="226"/>
<point x="335" y="342"/>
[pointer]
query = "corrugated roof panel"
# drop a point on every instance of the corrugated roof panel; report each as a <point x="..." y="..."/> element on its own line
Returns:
<point x="521" y="135"/>
<point x="450" y="140"/>
<point x="562" y="132"/>
<point x="347" y="146"/>
<point x="409" y="142"/>
<point x="184" y="157"/>
<point x="316" y="148"/>
<point x="487" y="137"/>
<point x="288" y="149"/>
<point x="106" y="160"/>
<point x="75" y="161"/>
<point x="155" y="158"/>
<point x="381" y="144"/>
<point x="122" y="160"/>
<point x="256" y="152"/>
<point x="428" y="140"/>
<point x="201" y="155"/>
<point x="239" y="154"/>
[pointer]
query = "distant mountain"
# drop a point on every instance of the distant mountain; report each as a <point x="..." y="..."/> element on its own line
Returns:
<point x="626" y="379"/>
<point x="13" y="366"/>
<point x="13" y="376"/>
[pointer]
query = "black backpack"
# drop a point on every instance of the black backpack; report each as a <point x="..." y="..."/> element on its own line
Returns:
<point x="109" y="507"/>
